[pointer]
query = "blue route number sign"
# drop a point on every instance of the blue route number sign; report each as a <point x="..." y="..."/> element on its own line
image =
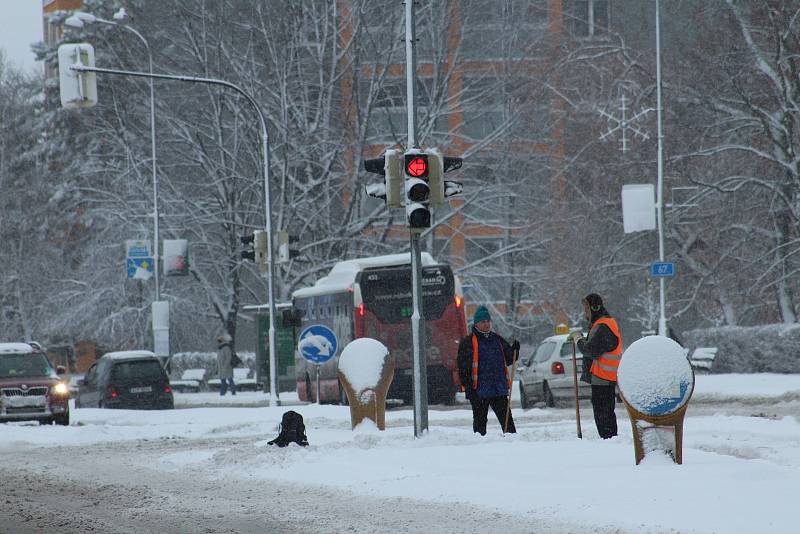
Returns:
<point x="317" y="343"/>
<point x="662" y="269"/>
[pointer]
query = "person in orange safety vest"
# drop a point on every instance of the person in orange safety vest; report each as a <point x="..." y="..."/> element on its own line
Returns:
<point x="603" y="347"/>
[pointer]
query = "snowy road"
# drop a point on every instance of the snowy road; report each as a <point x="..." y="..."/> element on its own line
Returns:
<point x="109" y="488"/>
<point x="209" y="469"/>
<point x="150" y="485"/>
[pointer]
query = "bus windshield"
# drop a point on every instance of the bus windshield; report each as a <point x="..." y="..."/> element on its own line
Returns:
<point x="386" y="292"/>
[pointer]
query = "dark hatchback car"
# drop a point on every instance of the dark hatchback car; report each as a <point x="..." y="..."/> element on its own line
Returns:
<point x="30" y="388"/>
<point x="129" y="379"/>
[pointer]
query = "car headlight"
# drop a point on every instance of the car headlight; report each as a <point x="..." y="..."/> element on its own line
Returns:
<point x="60" y="389"/>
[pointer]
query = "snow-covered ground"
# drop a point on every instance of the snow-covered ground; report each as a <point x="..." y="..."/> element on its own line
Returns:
<point x="740" y="469"/>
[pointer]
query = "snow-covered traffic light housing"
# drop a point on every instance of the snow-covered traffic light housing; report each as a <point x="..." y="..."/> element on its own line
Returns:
<point x="78" y="88"/>
<point x="391" y="190"/>
<point x="261" y="250"/>
<point x="256" y="248"/>
<point x="282" y="246"/>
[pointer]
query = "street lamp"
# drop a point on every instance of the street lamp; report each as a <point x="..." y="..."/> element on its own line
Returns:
<point x="78" y="20"/>
<point x="80" y="67"/>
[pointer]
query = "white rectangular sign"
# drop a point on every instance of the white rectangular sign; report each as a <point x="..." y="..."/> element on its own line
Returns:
<point x="638" y="207"/>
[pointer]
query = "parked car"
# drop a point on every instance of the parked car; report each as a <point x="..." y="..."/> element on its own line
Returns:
<point x="546" y="374"/>
<point x="127" y="379"/>
<point x="30" y="387"/>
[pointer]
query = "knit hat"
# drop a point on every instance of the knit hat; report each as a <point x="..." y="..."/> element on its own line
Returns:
<point x="481" y="314"/>
<point x="594" y="301"/>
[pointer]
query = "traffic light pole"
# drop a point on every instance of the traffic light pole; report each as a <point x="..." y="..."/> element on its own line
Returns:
<point x="274" y="397"/>
<point x="417" y="317"/>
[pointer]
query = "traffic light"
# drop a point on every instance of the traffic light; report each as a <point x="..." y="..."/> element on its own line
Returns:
<point x="388" y="166"/>
<point x="441" y="188"/>
<point x="256" y="250"/>
<point x="260" y="249"/>
<point x="421" y="179"/>
<point x="78" y="89"/>
<point x="283" y="252"/>
<point x="249" y="252"/>
<point x="418" y="191"/>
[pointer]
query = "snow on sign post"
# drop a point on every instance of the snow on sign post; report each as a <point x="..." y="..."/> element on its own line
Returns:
<point x="317" y="344"/>
<point x="366" y="372"/>
<point x="656" y="382"/>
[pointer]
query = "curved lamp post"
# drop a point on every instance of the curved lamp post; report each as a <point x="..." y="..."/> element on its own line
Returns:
<point x="78" y="20"/>
<point x="274" y="399"/>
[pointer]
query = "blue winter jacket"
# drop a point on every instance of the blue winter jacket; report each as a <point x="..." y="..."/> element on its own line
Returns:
<point x="494" y="353"/>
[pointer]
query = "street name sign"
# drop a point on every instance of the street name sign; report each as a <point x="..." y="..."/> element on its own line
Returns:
<point x="662" y="269"/>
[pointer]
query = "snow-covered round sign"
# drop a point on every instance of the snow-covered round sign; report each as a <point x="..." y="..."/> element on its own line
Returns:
<point x="654" y="376"/>
<point x="362" y="362"/>
<point x="317" y="343"/>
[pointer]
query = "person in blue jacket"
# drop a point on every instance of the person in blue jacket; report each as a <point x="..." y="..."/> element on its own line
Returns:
<point x="483" y="360"/>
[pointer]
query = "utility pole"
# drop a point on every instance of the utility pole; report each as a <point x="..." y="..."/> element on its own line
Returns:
<point x="417" y="317"/>
<point x="662" y="320"/>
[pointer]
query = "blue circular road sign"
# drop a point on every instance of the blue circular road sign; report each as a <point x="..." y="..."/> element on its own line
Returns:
<point x="317" y="343"/>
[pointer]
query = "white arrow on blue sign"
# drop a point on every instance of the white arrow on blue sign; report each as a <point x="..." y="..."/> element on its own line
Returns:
<point x="140" y="268"/>
<point x="317" y="343"/>
<point x="662" y="269"/>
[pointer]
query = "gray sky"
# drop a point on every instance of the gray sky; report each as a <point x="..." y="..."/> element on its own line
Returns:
<point x="20" y="25"/>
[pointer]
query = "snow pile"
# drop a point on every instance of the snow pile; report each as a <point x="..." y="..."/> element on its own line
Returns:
<point x="654" y="376"/>
<point x="361" y="363"/>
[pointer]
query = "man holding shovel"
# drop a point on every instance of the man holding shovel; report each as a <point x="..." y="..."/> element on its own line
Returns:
<point x="483" y="360"/>
<point x="602" y="352"/>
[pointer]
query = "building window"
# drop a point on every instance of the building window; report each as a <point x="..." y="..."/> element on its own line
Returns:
<point x="588" y="18"/>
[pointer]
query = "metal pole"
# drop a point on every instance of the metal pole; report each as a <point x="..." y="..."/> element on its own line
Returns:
<point x="417" y="333"/>
<point x="575" y="382"/>
<point x="662" y="320"/>
<point x="274" y="398"/>
<point x="511" y="388"/>
<point x="156" y="255"/>
<point x="411" y="74"/>
<point x="318" y="396"/>
<point x="417" y="316"/>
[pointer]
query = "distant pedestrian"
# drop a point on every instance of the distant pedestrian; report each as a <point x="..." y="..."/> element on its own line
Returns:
<point x="603" y="347"/>
<point x="224" y="367"/>
<point x="483" y="360"/>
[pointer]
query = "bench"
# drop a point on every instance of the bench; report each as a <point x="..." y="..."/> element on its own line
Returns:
<point x="240" y="378"/>
<point x="192" y="380"/>
<point x="703" y="358"/>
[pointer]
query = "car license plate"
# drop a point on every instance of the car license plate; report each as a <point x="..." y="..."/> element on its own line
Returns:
<point x="143" y="389"/>
<point x="24" y="402"/>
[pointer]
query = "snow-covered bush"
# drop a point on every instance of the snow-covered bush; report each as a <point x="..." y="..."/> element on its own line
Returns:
<point x="771" y="348"/>
<point x="205" y="360"/>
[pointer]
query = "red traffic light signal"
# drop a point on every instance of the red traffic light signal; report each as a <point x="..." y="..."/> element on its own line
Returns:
<point x="416" y="165"/>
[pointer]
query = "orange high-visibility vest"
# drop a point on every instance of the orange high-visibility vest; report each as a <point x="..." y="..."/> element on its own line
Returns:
<point x="606" y="365"/>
